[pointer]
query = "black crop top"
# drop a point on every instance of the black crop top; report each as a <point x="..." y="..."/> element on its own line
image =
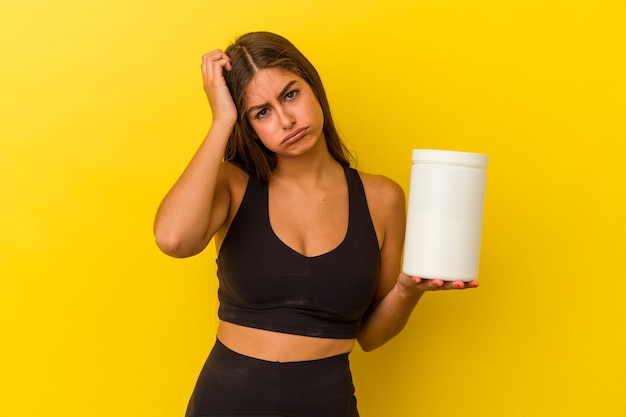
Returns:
<point x="265" y="284"/>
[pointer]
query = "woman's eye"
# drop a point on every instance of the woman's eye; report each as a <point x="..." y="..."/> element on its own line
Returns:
<point x="262" y="113"/>
<point x="291" y="95"/>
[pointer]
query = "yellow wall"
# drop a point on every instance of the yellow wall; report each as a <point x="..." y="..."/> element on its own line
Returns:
<point x="101" y="106"/>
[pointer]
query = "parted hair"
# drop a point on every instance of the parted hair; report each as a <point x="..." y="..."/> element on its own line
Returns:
<point x="249" y="54"/>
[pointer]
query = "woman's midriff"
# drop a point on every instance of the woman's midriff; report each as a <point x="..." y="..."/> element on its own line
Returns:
<point x="279" y="347"/>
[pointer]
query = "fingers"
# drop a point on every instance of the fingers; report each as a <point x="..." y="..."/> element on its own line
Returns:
<point x="213" y="66"/>
<point x="460" y="285"/>
<point x="439" y="284"/>
<point x="214" y="61"/>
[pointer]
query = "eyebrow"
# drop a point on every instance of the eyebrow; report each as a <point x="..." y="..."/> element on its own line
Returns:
<point x="281" y="94"/>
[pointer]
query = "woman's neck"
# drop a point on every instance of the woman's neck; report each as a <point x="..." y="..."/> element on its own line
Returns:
<point x="313" y="171"/>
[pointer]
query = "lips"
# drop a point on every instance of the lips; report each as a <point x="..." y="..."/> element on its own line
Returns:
<point x="294" y="136"/>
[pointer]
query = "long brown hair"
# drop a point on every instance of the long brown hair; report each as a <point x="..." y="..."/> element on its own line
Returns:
<point x="253" y="52"/>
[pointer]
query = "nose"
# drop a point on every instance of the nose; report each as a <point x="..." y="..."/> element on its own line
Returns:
<point x="286" y="119"/>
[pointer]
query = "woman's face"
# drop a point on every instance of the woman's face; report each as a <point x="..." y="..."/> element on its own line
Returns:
<point x="284" y="112"/>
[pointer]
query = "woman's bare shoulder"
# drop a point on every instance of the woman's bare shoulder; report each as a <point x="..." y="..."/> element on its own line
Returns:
<point x="386" y="203"/>
<point x="382" y="190"/>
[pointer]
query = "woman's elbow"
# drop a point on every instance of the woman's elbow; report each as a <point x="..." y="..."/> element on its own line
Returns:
<point x="368" y="345"/>
<point x="172" y="244"/>
<point x="167" y="243"/>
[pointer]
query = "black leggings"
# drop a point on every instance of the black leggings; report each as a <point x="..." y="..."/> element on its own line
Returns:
<point x="232" y="384"/>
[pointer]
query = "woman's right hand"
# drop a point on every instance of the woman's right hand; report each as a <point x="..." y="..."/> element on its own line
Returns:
<point x="222" y="105"/>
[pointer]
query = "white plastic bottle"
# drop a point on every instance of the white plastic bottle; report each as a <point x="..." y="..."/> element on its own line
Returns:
<point x="445" y="215"/>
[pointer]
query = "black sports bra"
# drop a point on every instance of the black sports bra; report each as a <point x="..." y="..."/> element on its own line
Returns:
<point x="265" y="284"/>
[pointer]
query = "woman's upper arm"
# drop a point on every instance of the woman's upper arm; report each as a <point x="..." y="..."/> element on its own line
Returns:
<point x="229" y="190"/>
<point x="215" y="217"/>
<point x="387" y="205"/>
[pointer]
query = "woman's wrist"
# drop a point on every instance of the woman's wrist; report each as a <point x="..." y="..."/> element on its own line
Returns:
<point x="407" y="290"/>
<point x="223" y="123"/>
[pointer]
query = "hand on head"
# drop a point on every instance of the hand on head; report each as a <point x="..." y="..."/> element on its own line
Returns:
<point x="222" y="105"/>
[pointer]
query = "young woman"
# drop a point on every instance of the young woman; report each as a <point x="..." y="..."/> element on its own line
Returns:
<point x="309" y="248"/>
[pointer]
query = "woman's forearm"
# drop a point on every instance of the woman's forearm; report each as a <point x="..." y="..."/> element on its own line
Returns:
<point x="388" y="317"/>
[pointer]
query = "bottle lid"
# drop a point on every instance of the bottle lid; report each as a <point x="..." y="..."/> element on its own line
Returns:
<point x="450" y="157"/>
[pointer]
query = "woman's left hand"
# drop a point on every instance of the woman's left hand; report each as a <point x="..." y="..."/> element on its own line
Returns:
<point x="417" y="284"/>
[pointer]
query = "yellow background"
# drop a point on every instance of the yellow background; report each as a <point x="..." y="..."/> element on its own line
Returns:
<point x="101" y="106"/>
